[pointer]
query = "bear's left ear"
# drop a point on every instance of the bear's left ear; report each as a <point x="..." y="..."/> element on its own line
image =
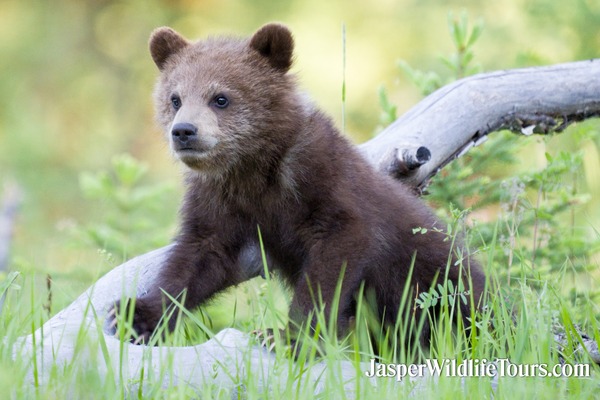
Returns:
<point x="164" y="42"/>
<point x="275" y="42"/>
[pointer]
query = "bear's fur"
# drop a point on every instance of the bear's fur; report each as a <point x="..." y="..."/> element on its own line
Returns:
<point x="261" y="156"/>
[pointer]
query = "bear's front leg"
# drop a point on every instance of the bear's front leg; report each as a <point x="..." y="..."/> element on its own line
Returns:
<point x="332" y="274"/>
<point x="317" y="291"/>
<point x="194" y="271"/>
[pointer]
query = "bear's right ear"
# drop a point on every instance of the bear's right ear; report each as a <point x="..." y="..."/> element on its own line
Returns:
<point x="164" y="42"/>
<point x="275" y="42"/>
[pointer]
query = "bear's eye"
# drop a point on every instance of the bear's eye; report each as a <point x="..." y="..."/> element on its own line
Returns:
<point x="221" y="101"/>
<point x="176" y="102"/>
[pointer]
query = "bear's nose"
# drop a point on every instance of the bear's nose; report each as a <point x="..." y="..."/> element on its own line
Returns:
<point x="182" y="131"/>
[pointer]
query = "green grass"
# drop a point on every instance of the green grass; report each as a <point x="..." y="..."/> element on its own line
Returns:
<point x="518" y="326"/>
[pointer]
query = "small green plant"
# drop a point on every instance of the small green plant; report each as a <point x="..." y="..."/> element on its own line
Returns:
<point x="445" y="295"/>
<point x="138" y="216"/>
<point x="389" y="111"/>
<point x="459" y="64"/>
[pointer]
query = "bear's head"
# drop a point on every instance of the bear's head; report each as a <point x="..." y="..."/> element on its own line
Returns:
<point x="223" y="101"/>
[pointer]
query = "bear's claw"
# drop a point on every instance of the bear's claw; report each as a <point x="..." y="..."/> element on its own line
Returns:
<point x="143" y="322"/>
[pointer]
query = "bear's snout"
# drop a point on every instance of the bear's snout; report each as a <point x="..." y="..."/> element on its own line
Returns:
<point x="184" y="135"/>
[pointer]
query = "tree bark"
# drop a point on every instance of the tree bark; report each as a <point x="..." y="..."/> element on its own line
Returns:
<point x="414" y="148"/>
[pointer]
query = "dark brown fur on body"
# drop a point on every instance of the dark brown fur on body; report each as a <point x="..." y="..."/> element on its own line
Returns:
<point x="266" y="157"/>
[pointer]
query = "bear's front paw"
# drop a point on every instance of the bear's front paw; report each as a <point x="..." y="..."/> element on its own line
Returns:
<point x="143" y="322"/>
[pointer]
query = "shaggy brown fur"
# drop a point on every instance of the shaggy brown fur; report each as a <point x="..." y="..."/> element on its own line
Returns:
<point x="261" y="155"/>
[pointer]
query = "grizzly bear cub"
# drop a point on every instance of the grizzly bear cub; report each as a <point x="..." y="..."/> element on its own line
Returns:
<point x="262" y="157"/>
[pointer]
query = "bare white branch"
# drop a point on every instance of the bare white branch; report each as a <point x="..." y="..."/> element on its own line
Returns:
<point x="460" y="115"/>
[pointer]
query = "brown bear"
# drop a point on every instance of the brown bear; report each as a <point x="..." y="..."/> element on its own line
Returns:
<point x="260" y="155"/>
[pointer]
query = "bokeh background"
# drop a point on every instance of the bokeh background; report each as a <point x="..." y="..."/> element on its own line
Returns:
<point x="76" y="81"/>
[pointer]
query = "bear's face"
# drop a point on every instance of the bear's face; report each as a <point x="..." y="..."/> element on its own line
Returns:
<point x="219" y="99"/>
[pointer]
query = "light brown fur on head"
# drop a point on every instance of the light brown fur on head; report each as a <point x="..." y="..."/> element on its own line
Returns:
<point x="250" y="74"/>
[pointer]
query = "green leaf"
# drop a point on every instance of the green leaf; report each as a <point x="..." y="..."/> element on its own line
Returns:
<point x="475" y="33"/>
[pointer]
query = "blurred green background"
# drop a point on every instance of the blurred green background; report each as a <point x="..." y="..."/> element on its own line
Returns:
<point x="76" y="81"/>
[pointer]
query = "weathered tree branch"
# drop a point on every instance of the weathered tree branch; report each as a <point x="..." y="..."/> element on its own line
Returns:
<point x="459" y="116"/>
<point x="414" y="148"/>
